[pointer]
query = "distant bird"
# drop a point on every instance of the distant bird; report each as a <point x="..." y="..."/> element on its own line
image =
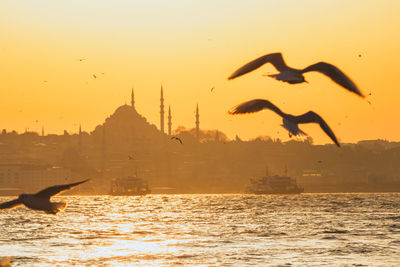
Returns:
<point x="177" y="138"/>
<point x="290" y="122"/>
<point x="82" y="59"/>
<point x="130" y="157"/>
<point x="319" y="161"/>
<point x="293" y="76"/>
<point x="359" y="55"/>
<point x="44" y="81"/>
<point x="369" y="102"/>
<point x="212" y="89"/>
<point x="94" y="76"/>
<point x="41" y="200"/>
<point x="370" y="93"/>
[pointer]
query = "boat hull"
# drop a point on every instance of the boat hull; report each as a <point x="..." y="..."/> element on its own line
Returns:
<point x="277" y="192"/>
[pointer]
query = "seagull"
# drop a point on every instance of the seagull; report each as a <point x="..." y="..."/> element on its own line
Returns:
<point x="290" y="122"/>
<point x="293" y="76"/>
<point x="41" y="200"/>
<point x="177" y="138"/>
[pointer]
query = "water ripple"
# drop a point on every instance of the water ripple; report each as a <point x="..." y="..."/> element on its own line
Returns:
<point x="240" y="230"/>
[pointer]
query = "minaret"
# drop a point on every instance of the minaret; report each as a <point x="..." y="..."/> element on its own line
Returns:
<point x="197" y="122"/>
<point x="133" y="100"/>
<point x="169" y="120"/>
<point x="162" y="111"/>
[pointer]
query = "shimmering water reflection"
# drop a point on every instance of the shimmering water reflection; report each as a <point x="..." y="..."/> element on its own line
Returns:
<point x="314" y="229"/>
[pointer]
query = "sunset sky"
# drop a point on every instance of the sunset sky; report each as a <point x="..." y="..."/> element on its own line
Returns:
<point x="190" y="47"/>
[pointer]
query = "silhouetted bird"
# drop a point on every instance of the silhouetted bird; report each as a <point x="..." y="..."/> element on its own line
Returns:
<point x="41" y="200"/>
<point x="130" y="157"/>
<point x="94" y="76"/>
<point x="293" y="76"/>
<point x="290" y="122"/>
<point x="319" y="161"/>
<point x="212" y="89"/>
<point x="359" y="55"/>
<point x="82" y="59"/>
<point x="177" y="138"/>
<point x="370" y="93"/>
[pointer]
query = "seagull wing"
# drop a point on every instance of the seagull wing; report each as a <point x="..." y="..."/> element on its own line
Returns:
<point x="336" y="75"/>
<point x="314" y="117"/>
<point x="255" y="105"/>
<point x="54" y="190"/>
<point x="275" y="59"/>
<point x="10" y="204"/>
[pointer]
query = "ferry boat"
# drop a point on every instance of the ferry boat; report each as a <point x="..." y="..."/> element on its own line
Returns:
<point x="129" y="186"/>
<point x="274" y="185"/>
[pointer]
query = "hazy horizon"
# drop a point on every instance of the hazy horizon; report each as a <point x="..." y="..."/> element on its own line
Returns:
<point x="189" y="48"/>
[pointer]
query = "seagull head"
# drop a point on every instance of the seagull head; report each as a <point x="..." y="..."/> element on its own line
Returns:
<point x="302" y="79"/>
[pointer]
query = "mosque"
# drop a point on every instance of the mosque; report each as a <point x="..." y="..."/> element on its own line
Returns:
<point x="128" y="135"/>
<point x="134" y="126"/>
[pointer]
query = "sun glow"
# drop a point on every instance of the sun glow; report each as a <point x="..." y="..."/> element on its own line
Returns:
<point x="191" y="47"/>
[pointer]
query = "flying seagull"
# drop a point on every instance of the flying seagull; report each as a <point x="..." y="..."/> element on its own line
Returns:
<point x="41" y="200"/>
<point x="293" y="76"/>
<point x="290" y="122"/>
<point x="177" y="138"/>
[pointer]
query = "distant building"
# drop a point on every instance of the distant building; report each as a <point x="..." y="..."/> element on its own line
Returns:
<point x="31" y="178"/>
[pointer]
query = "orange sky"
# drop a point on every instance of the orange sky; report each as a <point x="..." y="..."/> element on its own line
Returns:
<point x="190" y="47"/>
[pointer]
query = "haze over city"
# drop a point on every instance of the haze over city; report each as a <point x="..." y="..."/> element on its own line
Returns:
<point x="191" y="47"/>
